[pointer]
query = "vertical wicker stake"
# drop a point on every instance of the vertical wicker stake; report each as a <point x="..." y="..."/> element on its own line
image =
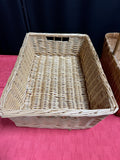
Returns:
<point x="116" y="51"/>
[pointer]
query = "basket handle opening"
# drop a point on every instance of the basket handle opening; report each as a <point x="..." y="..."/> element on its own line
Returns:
<point x="65" y="39"/>
<point x="58" y="38"/>
<point x="50" y="38"/>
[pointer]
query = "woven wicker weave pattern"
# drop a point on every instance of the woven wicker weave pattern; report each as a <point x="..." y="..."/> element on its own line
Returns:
<point x="97" y="85"/>
<point x="61" y="90"/>
<point x="58" y="122"/>
<point x="61" y="76"/>
<point x="17" y="84"/>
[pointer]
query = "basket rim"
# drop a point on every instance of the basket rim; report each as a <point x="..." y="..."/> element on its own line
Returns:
<point x="57" y="34"/>
<point x="59" y="112"/>
<point x="111" y="35"/>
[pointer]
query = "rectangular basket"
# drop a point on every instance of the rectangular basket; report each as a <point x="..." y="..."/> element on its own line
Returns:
<point x="111" y="63"/>
<point x="57" y="82"/>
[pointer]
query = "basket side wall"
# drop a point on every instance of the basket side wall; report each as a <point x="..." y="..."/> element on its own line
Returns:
<point x="99" y="92"/>
<point x="58" y="122"/>
<point x="14" y="98"/>
<point x="43" y="46"/>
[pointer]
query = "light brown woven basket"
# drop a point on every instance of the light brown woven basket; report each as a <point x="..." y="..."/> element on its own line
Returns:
<point x="111" y="63"/>
<point x="57" y="82"/>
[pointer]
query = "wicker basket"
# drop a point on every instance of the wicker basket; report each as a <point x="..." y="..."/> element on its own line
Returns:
<point x="57" y="82"/>
<point x="111" y="63"/>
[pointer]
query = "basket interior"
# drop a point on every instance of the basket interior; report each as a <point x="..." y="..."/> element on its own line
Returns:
<point x="56" y="82"/>
<point x="56" y="72"/>
<point x="111" y="39"/>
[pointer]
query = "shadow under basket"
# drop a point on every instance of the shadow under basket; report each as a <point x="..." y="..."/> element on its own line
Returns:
<point x="57" y="82"/>
<point x="111" y="63"/>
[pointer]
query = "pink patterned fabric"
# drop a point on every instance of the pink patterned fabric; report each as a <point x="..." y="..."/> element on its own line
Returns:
<point x="101" y="142"/>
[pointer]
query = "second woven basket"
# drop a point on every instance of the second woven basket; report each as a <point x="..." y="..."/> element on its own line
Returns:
<point x="111" y="63"/>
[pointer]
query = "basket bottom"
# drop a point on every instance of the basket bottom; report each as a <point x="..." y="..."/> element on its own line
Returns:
<point x="56" y="82"/>
<point x="57" y="122"/>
